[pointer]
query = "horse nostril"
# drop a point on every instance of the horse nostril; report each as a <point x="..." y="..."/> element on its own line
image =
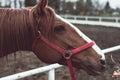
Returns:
<point x="102" y="62"/>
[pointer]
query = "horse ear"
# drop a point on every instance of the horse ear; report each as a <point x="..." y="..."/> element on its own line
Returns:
<point x="41" y="6"/>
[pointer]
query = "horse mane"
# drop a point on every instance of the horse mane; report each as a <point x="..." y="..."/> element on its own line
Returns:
<point x="14" y="30"/>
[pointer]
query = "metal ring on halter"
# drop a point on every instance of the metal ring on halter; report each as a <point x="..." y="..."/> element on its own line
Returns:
<point x="67" y="54"/>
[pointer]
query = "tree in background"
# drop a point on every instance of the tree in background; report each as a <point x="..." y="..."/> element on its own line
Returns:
<point x="88" y="8"/>
<point x="79" y="6"/>
<point x="54" y="4"/>
<point x="107" y="8"/>
<point x="30" y="2"/>
<point x="69" y="7"/>
<point x="97" y="5"/>
<point x="76" y="7"/>
<point x="58" y="5"/>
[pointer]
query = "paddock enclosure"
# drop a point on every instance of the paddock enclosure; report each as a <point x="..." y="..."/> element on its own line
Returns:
<point x="105" y="37"/>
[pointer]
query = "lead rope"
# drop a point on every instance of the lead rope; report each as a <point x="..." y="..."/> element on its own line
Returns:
<point x="69" y="63"/>
<point x="67" y="55"/>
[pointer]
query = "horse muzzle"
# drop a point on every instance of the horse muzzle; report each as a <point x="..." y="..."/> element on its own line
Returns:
<point x="95" y="69"/>
<point x="91" y="68"/>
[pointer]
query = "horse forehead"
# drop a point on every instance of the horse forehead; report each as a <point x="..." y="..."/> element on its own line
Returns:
<point x="87" y="39"/>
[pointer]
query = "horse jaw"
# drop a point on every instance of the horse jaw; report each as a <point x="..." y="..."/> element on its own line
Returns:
<point x="95" y="47"/>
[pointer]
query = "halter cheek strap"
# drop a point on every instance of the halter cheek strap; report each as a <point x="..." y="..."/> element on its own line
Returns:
<point x="67" y="54"/>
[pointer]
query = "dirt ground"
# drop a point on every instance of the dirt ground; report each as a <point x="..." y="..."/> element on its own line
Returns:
<point x="105" y="37"/>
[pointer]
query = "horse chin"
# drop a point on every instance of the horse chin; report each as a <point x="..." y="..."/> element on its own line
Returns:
<point x="90" y="71"/>
<point x="93" y="72"/>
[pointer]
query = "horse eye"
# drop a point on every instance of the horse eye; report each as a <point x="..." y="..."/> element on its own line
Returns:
<point x="59" y="29"/>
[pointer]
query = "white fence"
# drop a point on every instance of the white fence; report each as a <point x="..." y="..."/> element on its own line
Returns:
<point x="93" y="18"/>
<point x="50" y="69"/>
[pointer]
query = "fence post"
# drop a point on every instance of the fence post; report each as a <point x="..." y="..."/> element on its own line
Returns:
<point x="86" y="18"/>
<point x="65" y="16"/>
<point x="75" y="17"/>
<point x="116" y="20"/>
<point x="51" y="74"/>
<point x="100" y="19"/>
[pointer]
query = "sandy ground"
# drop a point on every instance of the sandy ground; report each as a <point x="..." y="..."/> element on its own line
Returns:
<point x="104" y="37"/>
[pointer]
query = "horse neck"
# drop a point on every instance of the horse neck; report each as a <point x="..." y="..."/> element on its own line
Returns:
<point x="15" y="33"/>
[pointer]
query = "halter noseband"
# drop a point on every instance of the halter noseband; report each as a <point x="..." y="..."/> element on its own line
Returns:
<point x="67" y="54"/>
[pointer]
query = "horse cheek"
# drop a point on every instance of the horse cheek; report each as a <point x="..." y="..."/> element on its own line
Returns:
<point x="46" y="53"/>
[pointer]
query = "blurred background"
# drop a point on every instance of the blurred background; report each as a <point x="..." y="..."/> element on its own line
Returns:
<point x="74" y="7"/>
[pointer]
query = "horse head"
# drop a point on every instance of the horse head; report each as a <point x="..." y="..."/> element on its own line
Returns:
<point x="60" y="32"/>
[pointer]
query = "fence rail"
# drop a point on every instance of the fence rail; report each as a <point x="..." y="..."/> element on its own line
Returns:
<point x="93" y="18"/>
<point x="50" y="69"/>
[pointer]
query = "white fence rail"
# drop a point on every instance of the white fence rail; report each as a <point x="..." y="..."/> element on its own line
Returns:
<point x="93" y="18"/>
<point x="50" y="69"/>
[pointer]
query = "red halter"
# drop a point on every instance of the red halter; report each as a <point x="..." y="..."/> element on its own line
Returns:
<point x="66" y="53"/>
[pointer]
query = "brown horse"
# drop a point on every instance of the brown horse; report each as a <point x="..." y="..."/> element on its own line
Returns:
<point x="19" y="30"/>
